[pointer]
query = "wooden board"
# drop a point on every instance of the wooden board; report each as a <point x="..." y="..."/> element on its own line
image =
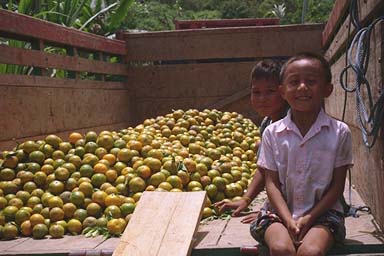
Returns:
<point x="224" y="43"/>
<point x="162" y="224"/>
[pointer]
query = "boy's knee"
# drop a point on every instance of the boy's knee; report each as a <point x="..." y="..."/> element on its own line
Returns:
<point x="310" y="250"/>
<point x="281" y="248"/>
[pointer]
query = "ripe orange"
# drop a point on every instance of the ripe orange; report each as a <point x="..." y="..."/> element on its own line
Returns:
<point x="94" y="209"/>
<point x="99" y="197"/>
<point x="56" y="231"/>
<point x="116" y="226"/>
<point x="56" y="214"/>
<point x="74" y="137"/>
<point x="100" y="168"/>
<point x="69" y="209"/>
<point x="113" y="199"/>
<point x="74" y="226"/>
<point x="36" y="218"/>
<point x="26" y="228"/>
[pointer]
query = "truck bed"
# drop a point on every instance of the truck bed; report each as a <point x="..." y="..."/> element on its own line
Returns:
<point x="217" y="237"/>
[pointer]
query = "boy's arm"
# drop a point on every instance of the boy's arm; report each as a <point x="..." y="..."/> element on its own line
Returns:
<point x="276" y="198"/>
<point x="334" y="193"/>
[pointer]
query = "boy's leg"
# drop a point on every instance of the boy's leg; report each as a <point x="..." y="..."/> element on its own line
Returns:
<point x="316" y="242"/>
<point x="278" y="240"/>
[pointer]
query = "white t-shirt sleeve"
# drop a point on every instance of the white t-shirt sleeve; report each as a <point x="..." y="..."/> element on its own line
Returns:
<point x="266" y="157"/>
<point x="344" y="150"/>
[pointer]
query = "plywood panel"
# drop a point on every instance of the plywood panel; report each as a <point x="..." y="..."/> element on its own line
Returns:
<point x="162" y="224"/>
<point x="224" y="43"/>
<point x="190" y="80"/>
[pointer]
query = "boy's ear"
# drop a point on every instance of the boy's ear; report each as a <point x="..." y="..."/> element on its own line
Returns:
<point x="328" y="90"/>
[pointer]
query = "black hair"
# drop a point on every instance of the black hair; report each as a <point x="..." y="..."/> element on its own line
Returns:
<point x="311" y="56"/>
<point x="268" y="69"/>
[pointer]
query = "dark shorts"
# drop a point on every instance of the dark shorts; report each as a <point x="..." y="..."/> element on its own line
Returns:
<point x="332" y="219"/>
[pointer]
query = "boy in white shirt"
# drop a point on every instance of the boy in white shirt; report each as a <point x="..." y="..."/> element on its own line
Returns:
<point x="305" y="157"/>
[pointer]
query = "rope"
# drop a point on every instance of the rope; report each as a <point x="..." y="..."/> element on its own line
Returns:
<point x="369" y="117"/>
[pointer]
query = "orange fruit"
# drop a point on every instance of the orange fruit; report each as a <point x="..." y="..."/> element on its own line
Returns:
<point x="113" y="211"/>
<point x="100" y="168"/>
<point x="127" y="208"/>
<point x="111" y="175"/>
<point x="36" y="218"/>
<point x="77" y="198"/>
<point x="21" y="216"/>
<point x="69" y="209"/>
<point x="111" y="158"/>
<point x="26" y="228"/>
<point x="116" y="227"/>
<point x="74" y="226"/>
<point x="143" y="171"/>
<point x="99" y="197"/>
<point x="56" y="214"/>
<point x="10" y="231"/>
<point x="157" y="178"/>
<point x="94" y="209"/>
<point x="80" y="214"/>
<point x="137" y="184"/>
<point x="98" y="179"/>
<point x="113" y="199"/>
<point x="55" y="201"/>
<point x="74" y="137"/>
<point x="175" y="181"/>
<point x="86" y="188"/>
<point x="105" y="141"/>
<point x="56" y="187"/>
<point x="7" y="174"/>
<point x="56" y="231"/>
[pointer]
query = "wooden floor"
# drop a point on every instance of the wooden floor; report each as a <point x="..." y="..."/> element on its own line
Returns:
<point x="229" y="233"/>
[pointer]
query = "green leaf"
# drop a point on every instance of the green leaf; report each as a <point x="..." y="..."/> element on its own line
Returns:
<point x="121" y="12"/>
<point x="24" y="6"/>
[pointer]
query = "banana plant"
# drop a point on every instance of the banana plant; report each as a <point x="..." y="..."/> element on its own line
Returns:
<point x="96" y="16"/>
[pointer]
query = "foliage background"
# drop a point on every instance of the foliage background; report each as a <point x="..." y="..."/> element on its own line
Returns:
<point x="106" y="16"/>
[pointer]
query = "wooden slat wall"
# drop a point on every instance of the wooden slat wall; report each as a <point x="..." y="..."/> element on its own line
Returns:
<point x="34" y="106"/>
<point x="223" y="43"/>
<point x="368" y="172"/>
<point x="213" y="64"/>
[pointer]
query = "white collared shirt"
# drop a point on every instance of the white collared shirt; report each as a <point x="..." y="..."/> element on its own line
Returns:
<point x="305" y="165"/>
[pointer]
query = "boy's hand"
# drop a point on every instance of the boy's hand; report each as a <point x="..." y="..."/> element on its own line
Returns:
<point x="237" y="205"/>
<point x="304" y="224"/>
<point x="294" y="231"/>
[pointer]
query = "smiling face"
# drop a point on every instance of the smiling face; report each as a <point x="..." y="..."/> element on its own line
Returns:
<point x="266" y="98"/>
<point x="305" y="86"/>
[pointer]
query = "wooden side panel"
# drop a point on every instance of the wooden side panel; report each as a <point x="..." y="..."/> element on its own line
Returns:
<point x="159" y="89"/>
<point x="224" y="43"/>
<point x="335" y="37"/>
<point x="34" y="110"/>
<point x="368" y="171"/>
<point x="26" y="27"/>
<point x="26" y="57"/>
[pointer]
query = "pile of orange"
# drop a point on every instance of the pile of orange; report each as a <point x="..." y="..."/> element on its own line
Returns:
<point x="55" y="187"/>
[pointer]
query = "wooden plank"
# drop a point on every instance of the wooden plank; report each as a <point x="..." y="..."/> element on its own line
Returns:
<point x="48" y="82"/>
<point x="28" y="57"/>
<point x="162" y="224"/>
<point x="230" y="99"/>
<point x="190" y="80"/>
<point x="338" y="12"/>
<point x="339" y="35"/>
<point x="32" y="111"/>
<point x="224" y="43"/>
<point x="28" y="27"/>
